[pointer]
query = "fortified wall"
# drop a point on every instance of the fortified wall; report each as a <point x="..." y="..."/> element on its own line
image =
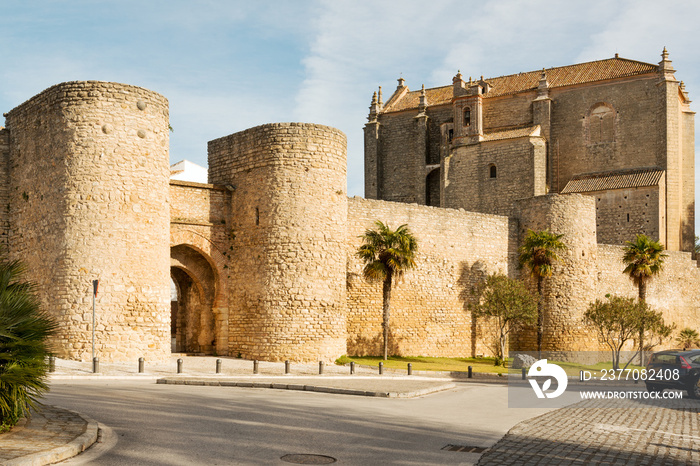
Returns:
<point x="263" y="257"/>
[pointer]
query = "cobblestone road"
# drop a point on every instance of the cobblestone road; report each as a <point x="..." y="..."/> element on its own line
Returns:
<point x="590" y="435"/>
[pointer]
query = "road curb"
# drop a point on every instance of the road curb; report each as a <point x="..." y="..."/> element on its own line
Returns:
<point x="302" y="387"/>
<point x="69" y="450"/>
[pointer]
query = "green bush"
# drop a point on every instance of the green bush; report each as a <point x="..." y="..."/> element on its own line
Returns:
<point x="24" y="329"/>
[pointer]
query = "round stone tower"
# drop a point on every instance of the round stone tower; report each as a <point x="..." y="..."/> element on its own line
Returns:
<point x="571" y="288"/>
<point x="88" y="200"/>
<point x="287" y="253"/>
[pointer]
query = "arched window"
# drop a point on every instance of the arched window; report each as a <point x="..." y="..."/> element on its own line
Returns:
<point x="467" y="117"/>
<point x="432" y="188"/>
<point x="601" y="125"/>
<point x="493" y="173"/>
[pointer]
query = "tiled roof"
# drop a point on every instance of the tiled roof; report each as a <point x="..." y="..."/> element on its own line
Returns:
<point x="569" y="75"/>
<point x="613" y="180"/>
<point x="513" y="133"/>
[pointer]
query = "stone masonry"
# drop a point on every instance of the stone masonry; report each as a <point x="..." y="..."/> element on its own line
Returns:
<point x="263" y="257"/>
<point x="87" y="198"/>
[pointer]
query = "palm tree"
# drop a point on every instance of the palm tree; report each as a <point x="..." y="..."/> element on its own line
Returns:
<point x="539" y="253"/>
<point x="387" y="254"/>
<point x="688" y="338"/>
<point x="644" y="258"/>
<point x="24" y="329"/>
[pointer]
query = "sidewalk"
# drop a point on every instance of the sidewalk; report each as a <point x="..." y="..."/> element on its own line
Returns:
<point x="55" y="434"/>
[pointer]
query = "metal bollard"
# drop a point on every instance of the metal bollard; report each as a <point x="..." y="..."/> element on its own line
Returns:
<point x="179" y="366"/>
<point x="469" y="372"/>
<point x="523" y="373"/>
<point x="410" y="372"/>
<point x="52" y="363"/>
<point x="320" y="367"/>
<point x="141" y="361"/>
<point x="352" y="367"/>
<point x="255" y="367"/>
<point x="381" y="368"/>
<point x="218" y="366"/>
<point x="286" y="367"/>
<point x="95" y="365"/>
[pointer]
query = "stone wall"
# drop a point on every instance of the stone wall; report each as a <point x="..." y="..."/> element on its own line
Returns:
<point x="429" y="306"/>
<point x="288" y="220"/>
<point x="637" y="127"/>
<point x="621" y="214"/>
<point x="510" y="110"/>
<point x="520" y="172"/>
<point x="4" y="186"/>
<point x="674" y="291"/>
<point x="88" y="180"/>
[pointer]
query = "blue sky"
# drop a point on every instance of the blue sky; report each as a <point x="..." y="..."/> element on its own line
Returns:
<point x="228" y="65"/>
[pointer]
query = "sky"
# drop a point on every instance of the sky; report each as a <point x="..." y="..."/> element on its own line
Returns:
<point x="228" y="65"/>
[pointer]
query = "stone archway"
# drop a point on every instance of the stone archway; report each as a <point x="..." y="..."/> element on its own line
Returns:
<point x="194" y="323"/>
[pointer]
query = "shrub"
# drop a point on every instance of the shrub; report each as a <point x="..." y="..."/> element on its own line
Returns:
<point x="24" y="330"/>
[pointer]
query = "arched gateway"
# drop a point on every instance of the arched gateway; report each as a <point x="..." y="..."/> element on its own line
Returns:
<point x="192" y="315"/>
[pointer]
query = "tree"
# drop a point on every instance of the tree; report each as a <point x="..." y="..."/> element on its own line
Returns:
<point x="387" y="254"/>
<point x="643" y="258"/>
<point x="538" y="253"/>
<point x="688" y="338"/>
<point x="619" y="319"/>
<point x="510" y="305"/>
<point x="24" y="330"/>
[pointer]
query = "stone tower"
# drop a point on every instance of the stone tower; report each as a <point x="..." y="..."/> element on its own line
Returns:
<point x="87" y="198"/>
<point x="572" y="285"/>
<point x="288" y="226"/>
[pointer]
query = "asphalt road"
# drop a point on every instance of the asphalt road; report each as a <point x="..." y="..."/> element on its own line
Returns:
<point x="149" y="424"/>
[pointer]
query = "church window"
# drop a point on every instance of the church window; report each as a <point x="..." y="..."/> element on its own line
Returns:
<point x="493" y="173"/>
<point x="467" y="117"/>
<point x="601" y="128"/>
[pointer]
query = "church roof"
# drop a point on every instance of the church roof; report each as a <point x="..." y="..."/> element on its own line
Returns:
<point x="561" y="76"/>
<point x="613" y="180"/>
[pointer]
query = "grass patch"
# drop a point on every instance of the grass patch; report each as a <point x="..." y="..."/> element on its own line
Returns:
<point x="420" y="363"/>
<point x="484" y="364"/>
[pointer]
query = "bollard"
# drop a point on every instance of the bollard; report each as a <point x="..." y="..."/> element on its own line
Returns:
<point x="95" y="365"/>
<point x="286" y="367"/>
<point x="409" y="369"/>
<point x="523" y="373"/>
<point x="179" y="366"/>
<point x="255" y="367"/>
<point x="352" y="367"/>
<point x="218" y="366"/>
<point x="141" y="360"/>
<point x="320" y="367"/>
<point x="381" y="368"/>
<point x="52" y="363"/>
<point x="469" y="372"/>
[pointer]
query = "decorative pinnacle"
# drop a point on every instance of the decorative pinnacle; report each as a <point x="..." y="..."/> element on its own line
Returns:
<point x="380" y="97"/>
<point x="423" y="103"/>
<point x="664" y="54"/>
<point x="374" y="98"/>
